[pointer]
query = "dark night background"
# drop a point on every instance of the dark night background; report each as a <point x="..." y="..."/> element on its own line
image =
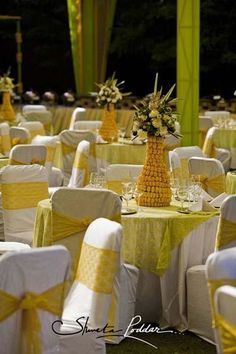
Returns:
<point x="143" y="42"/>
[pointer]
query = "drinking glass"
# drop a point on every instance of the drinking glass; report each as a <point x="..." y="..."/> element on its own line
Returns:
<point x="127" y="193"/>
<point x="122" y="132"/>
<point x="182" y="193"/>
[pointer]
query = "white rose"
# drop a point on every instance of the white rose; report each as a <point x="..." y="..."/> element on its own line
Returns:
<point x="142" y="134"/>
<point x="156" y="122"/>
<point x="153" y="113"/>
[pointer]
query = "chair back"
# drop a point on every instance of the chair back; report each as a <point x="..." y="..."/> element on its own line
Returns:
<point x="22" y="188"/>
<point x="210" y="172"/>
<point x="52" y="144"/>
<point x="91" y="125"/>
<point x="69" y="141"/>
<point x="72" y="212"/>
<point x="33" y="108"/>
<point x="5" y="141"/>
<point x="221" y="270"/>
<point x="45" y="117"/>
<point x="226" y="231"/>
<point x="81" y="167"/>
<point x="225" y="305"/>
<point x="35" y="128"/>
<point x="184" y="153"/>
<point x="78" y="114"/>
<point x="28" y="155"/>
<point x="90" y="294"/>
<point x="19" y="135"/>
<point x="24" y="276"/>
<point x="118" y="173"/>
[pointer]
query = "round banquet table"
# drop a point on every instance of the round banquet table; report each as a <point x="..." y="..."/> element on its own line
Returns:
<point x="231" y="182"/>
<point x="163" y="244"/>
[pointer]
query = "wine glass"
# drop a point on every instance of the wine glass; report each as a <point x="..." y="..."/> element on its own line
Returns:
<point x="122" y="132"/>
<point x="174" y="184"/>
<point x="127" y="193"/>
<point x="182" y="193"/>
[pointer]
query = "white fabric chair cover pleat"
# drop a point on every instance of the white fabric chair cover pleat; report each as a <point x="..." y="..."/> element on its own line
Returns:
<point x="19" y="135"/>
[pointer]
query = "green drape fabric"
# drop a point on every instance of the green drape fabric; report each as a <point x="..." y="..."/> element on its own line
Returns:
<point x="90" y="23"/>
<point x="188" y="35"/>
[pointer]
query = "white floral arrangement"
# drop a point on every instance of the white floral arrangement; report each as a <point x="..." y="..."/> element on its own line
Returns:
<point x="109" y="92"/>
<point x="155" y="117"/>
<point x="6" y="83"/>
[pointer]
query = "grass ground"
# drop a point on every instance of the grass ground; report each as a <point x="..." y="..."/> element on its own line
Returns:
<point x="185" y="343"/>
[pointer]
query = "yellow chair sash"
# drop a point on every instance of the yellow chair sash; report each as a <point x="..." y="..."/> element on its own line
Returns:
<point x="50" y="153"/>
<point x="226" y="232"/>
<point x="33" y="192"/>
<point x="116" y="185"/>
<point x="177" y="172"/>
<point x="50" y="300"/>
<point x="97" y="268"/>
<point x="32" y="162"/>
<point x="92" y="150"/>
<point x="81" y="162"/>
<point x="209" y="147"/>
<point x="34" y="132"/>
<point x="184" y="168"/>
<point x="213" y="285"/>
<point x="16" y="141"/>
<point x="64" y="225"/>
<point x="228" y="334"/>
<point x="5" y="143"/>
<point x="217" y="183"/>
<point x="67" y="149"/>
<point x="47" y="127"/>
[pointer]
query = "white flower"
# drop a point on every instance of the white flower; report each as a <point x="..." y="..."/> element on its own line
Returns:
<point x="142" y="134"/>
<point x="153" y="113"/>
<point x="163" y="130"/>
<point x="156" y="122"/>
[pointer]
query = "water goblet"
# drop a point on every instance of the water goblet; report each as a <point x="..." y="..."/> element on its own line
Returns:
<point x="127" y="193"/>
<point x="182" y="193"/>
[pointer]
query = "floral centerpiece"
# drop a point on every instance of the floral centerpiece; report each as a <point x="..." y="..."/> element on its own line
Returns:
<point x="6" y="87"/>
<point x="108" y="95"/>
<point x="153" y="121"/>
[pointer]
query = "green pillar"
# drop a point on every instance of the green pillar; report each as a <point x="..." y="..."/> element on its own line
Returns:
<point x="188" y="36"/>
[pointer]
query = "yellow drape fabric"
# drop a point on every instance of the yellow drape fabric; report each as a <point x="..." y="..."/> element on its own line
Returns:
<point x="33" y="161"/>
<point x="231" y="183"/>
<point x="217" y="183"/>
<point x="226" y="232"/>
<point x="5" y="143"/>
<point x="209" y="147"/>
<point x="50" y="153"/>
<point x="81" y="162"/>
<point x="97" y="268"/>
<point x="50" y="300"/>
<point x="33" y="192"/>
<point x="213" y="285"/>
<point x="228" y="334"/>
<point x="184" y="168"/>
<point x="34" y="132"/>
<point x="67" y="149"/>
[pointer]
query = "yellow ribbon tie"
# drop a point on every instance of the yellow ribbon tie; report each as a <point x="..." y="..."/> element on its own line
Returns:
<point x="68" y="149"/>
<point x="228" y="334"/>
<point x="35" y="132"/>
<point x="226" y="232"/>
<point x="47" y="127"/>
<point x="92" y="151"/>
<point x="33" y="192"/>
<point x="216" y="183"/>
<point x="213" y="285"/>
<point x="81" y="162"/>
<point x="184" y="168"/>
<point x="209" y="148"/>
<point x="37" y="161"/>
<point x="50" y="153"/>
<point x="5" y="143"/>
<point x="51" y="301"/>
<point x="97" y="268"/>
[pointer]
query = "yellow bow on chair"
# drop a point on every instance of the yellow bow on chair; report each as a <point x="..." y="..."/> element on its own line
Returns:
<point x="227" y="333"/>
<point x="217" y="183"/>
<point x="50" y="300"/>
<point x="16" y="141"/>
<point x="81" y="162"/>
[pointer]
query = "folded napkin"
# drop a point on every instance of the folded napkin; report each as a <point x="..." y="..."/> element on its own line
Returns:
<point x="206" y="196"/>
<point x="99" y="140"/>
<point x="202" y="205"/>
<point x="136" y="141"/>
<point x="217" y="201"/>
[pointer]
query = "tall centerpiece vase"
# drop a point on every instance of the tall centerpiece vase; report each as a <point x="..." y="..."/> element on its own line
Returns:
<point x="109" y="130"/>
<point x="153" y="182"/>
<point x="7" y="111"/>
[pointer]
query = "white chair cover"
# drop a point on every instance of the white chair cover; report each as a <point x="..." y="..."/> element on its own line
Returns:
<point x="5" y="141"/>
<point x="225" y="305"/>
<point x="69" y="141"/>
<point x="118" y="173"/>
<point x="184" y="154"/>
<point x="22" y="188"/>
<point x="35" y="128"/>
<point x="34" y="270"/>
<point x="28" y="155"/>
<point x="91" y="125"/>
<point x="33" y="108"/>
<point x="220" y="270"/>
<point x="226" y="233"/>
<point x="81" y="167"/>
<point x="19" y="135"/>
<point x="78" y="114"/>
<point x="45" y="117"/>
<point x="213" y="172"/>
<point x="90" y="296"/>
<point x="12" y="247"/>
